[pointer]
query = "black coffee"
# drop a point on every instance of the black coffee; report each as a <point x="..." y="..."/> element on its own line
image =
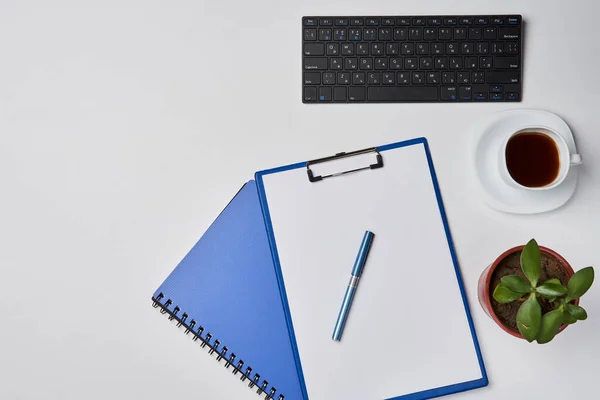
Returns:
<point x="532" y="159"/>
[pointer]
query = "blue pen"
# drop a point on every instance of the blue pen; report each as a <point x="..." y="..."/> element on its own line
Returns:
<point x="361" y="258"/>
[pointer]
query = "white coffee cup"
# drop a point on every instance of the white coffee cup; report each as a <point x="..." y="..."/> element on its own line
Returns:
<point x="566" y="159"/>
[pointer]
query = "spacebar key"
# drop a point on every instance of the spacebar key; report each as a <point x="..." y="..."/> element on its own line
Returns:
<point x="397" y="93"/>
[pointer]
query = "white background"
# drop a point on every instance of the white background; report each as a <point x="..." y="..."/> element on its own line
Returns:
<point x="126" y="126"/>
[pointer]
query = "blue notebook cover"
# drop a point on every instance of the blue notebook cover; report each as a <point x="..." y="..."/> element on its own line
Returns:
<point x="225" y="295"/>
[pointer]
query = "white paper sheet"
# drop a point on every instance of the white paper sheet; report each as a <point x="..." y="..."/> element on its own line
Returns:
<point x="407" y="330"/>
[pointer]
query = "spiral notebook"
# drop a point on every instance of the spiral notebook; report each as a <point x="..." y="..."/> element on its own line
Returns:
<point x="224" y="295"/>
<point x="409" y="334"/>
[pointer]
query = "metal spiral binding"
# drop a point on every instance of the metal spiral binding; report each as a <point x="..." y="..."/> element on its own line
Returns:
<point x="223" y="353"/>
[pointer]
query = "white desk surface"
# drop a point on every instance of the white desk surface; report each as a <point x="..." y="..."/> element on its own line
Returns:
<point x="126" y="126"/>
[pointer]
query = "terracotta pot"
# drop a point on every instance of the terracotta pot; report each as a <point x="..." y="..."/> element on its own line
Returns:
<point x="485" y="294"/>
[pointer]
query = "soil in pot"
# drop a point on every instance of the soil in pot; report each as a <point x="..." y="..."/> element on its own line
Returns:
<point x="511" y="265"/>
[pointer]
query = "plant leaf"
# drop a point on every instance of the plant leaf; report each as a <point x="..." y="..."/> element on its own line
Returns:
<point x="554" y="280"/>
<point x="580" y="282"/>
<point x="531" y="262"/>
<point x="551" y="289"/>
<point x="516" y="284"/>
<point x="529" y="318"/>
<point x="576" y="311"/>
<point x="502" y="294"/>
<point x="568" y="318"/>
<point x="551" y="322"/>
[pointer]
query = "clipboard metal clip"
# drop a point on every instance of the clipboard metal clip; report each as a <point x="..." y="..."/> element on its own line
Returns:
<point x="338" y="156"/>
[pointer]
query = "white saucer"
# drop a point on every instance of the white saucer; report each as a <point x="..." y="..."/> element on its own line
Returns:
<point x="487" y="140"/>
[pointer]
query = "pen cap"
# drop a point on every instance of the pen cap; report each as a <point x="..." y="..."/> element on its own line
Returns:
<point x="362" y="253"/>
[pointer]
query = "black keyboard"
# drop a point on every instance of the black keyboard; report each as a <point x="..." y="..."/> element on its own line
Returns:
<point x="411" y="59"/>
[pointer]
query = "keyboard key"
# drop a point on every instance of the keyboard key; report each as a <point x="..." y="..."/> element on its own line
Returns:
<point x="445" y="34"/>
<point x="357" y="93"/>
<point x="325" y="22"/>
<point x="463" y="77"/>
<point x="372" y="21"/>
<point x="448" y="78"/>
<point x="425" y="63"/>
<point x="415" y="33"/>
<point x="466" y="21"/>
<point x="377" y="49"/>
<point x="312" y="78"/>
<point x="478" y="77"/>
<point x="430" y="33"/>
<point x="324" y="94"/>
<point x="348" y="49"/>
<point x="496" y="96"/>
<point x="418" y="21"/>
<point x="471" y="62"/>
<point x="339" y="93"/>
<point x="489" y="33"/>
<point x="400" y="34"/>
<point x="310" y="34"/>
<point x="333" y="49"/>
<point x="422" y="48"/>
<point x="480" y="96"/>
<point x="403" y="21"/>
<point x="381" y="63"/>
<point x="362" y="49"/>
<point x="486" y="62"/>
<point x="513" y="20"/>
<point x="391" y="49"/>
<point x="434" y="21"/>
<point x="512" y="47"/>
<point x="336" y="63"/>
<point x="387" y="21"/>
<point x="511" y="96"/>
<point x="456" y="63"/>
<point x="503" y="77"/>
<point x="482" y="48"/>
<point x="351" y="63"/>
<point x="328" y="78"/>
<point x="324" y="34"/>
<point x="410" y="63"/>
<point x="407" y="49"/>
<point x="355" y="34"/>
<point x="507" y="62"/>
<point x="310" y="22"/>
<point x="402" y="78"/>
<point x="448" y="93"/>
<point x="314" y="49"/>
<point x="373" y="78"/>
<point x="450" y="21"/>
<point x="460" y="33"/>
<point x="357" y="22"/>
<point x="496" y="89"/>
<point x="482" y="21"/>
<point x="440" y="63"/>
<point x="498" y="21"/>
<point x="310" y="93"/>
<point x="433" y="78"/>
<point x="343" y="78"/>
<point x="366" y="63"/>
<point x="315" y="63"/>
<point x="437" y="48"/>
<point x="464" y="93"/>
<point x="451" y="48"/>
<point x="341" y="22"/>
<point x="387" y="78"/>
<point x="497" y="48"/>
<point x="396" y="63"/>
<point x="511" y="33"/>
<point x="467" y="48"/>
<point x="358" y="78"/>
<point x="370" y="34"/>
<point x="399" y="93"/>
<point x="474" y="33"/>
<point x="339" y="34"/>
<point x="418" y="78"/>
<point x="385" y="34"/>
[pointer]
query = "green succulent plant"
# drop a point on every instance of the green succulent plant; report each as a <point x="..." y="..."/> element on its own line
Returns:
<point x="530" y="321"/>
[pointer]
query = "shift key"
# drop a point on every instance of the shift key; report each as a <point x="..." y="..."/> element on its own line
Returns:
<point x="507" y="62"/>
<point x="502" y="77"/>
<point x="315" y="63"/>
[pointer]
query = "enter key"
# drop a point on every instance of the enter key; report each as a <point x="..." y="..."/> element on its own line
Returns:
<point x="507" y="63"/>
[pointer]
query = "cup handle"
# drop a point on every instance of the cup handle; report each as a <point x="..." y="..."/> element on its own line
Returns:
<point x="576" y="159"/>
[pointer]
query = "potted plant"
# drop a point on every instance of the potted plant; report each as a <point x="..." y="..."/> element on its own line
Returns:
<point x="532" y="292"/>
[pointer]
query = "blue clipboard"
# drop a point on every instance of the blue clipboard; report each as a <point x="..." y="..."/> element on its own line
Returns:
<point x="432" y="392"/>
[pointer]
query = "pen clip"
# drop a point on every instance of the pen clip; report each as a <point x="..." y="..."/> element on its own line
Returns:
<point x="339" y="156"/>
